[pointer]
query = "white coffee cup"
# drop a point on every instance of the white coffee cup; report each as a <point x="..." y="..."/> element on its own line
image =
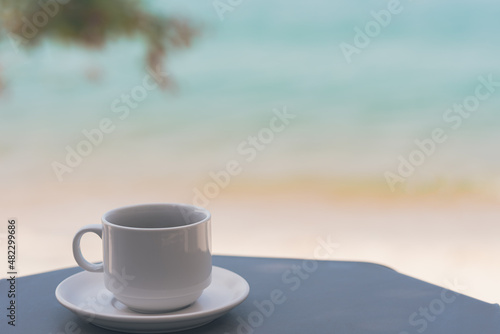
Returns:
<point x="156" y="257"/>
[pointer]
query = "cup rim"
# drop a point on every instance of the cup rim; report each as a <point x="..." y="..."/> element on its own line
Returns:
<point x="105" y="220"/>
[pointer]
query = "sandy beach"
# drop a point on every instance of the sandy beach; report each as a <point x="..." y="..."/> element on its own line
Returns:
<point x="450" y="243"/>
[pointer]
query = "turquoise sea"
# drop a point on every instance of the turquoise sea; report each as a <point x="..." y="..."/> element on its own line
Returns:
<point x="353" y="119"/>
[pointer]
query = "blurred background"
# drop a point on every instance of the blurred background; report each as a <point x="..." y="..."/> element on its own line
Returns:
<point x="294" y="124"/>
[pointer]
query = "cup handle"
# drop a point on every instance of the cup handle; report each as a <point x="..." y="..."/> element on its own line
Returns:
<point x="77" y="252"/>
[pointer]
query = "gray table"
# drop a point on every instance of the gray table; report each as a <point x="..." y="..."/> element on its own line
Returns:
<point x="318" y="297"/>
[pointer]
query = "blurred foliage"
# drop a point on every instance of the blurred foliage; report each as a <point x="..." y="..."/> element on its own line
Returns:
<point x="91" y="23"/>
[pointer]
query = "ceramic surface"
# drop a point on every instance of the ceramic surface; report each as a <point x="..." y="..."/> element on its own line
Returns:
<point x="156" y="257"/>
<point x="226" y="291"/>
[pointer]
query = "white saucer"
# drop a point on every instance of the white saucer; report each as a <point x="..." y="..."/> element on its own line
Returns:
<point x="84" y="294"/>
